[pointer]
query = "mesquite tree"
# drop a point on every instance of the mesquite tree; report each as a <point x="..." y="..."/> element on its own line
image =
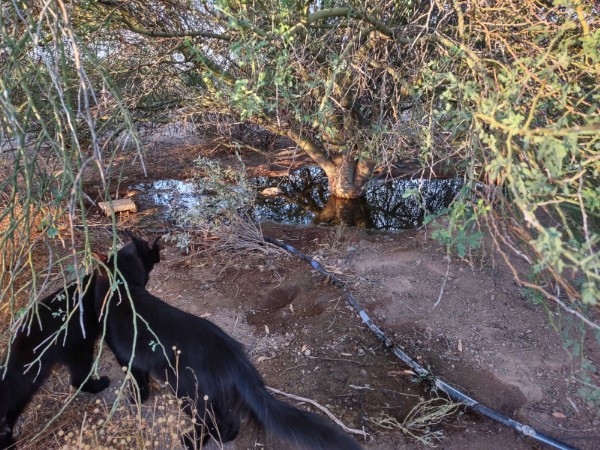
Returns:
<point x="336" y="77"/>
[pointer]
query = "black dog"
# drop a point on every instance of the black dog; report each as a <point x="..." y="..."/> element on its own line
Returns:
<point x="53" y="341"/>
<point x="215" y="376"/>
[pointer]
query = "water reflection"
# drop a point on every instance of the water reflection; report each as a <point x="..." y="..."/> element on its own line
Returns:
<point x="306" y="200"/>
<point x="353" y="212"/>
<point x="389" y="210"/>
<point x="168" y="196"/>
<point x="305" y="193"/>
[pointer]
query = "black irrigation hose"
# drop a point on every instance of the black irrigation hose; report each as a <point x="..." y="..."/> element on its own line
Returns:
<point x="440" y="384"/>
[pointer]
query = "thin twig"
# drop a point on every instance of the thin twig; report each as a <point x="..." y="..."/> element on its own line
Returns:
<point x="444" y="283"/>
<point x="323" y="409"/>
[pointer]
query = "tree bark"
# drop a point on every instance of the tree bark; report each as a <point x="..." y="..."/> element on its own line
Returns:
<point x="348" y="177"/>
<point x="353" y="212"/>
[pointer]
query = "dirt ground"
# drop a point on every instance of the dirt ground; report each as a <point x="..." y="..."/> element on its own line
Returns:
<point x="485" y="336"/>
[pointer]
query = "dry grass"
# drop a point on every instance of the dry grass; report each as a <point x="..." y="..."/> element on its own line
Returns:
<point x="235" y="242"/>
<point x="335" y="239"/>
<point x="58" y="419"/>
<point x="110" y="422"/>
<point x="419" y="421"/>
<point x="241" y="236"/>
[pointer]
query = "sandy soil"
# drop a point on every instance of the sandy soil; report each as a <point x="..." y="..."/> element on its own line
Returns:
<point x="484" y="336"/>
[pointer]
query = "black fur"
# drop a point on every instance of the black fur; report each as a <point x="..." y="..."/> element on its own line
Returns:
<point x="210" y="362"/>
<point x="18" y="384"/>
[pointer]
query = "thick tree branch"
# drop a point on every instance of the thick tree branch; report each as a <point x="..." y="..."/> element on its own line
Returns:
<point x="316" y="153"/>
<point x="195" y="56"/>
<point x="157" y="34"/>
<point x="125" y="17"/>
<point x="350" y="12"/>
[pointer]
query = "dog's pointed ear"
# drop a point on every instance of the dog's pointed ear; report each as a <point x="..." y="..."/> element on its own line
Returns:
<point x="156" y="244"/>
<point x="129" y="235"/>
<point x="100" y="257"/>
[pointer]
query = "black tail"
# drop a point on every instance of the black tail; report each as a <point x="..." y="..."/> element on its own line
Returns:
<point x="300" y="428"/>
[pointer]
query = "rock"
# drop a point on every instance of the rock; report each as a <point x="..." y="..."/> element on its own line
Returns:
<point x="271" y="192"/>
<point x="121" y="205"/>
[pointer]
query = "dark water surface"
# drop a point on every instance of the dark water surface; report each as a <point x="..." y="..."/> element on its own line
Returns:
<point x="305" y="199"/>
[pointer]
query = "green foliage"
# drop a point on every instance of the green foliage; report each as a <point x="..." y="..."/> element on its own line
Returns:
<point x="526" y="111"/>
<point x="574" y="335"/>
<point x="245" y="100"/>
<point x="52" y="121"/>
<point x="462" y="233"/>
<point x="222" y="212"/>
<point x="223" y="191"/>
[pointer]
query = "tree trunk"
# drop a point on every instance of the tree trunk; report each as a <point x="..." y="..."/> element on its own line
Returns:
<point x="353" y="212"/>
<point x="348" y="177"/>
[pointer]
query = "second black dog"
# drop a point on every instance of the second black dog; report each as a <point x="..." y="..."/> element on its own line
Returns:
<point x="55" y="336"/>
